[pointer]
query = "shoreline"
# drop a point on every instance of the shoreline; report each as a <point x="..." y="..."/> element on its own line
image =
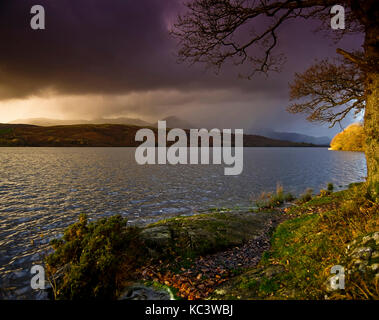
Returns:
<point x="236" y="253"/>
<point x="175" y="251"/>
<point x="281" y="254"/>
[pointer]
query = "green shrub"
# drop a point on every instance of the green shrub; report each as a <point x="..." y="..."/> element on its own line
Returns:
<point x="330" y="187"/>
<point x="96" y="258"/>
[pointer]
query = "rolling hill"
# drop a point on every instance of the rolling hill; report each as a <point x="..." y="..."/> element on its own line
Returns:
<point x="98" y="135"/>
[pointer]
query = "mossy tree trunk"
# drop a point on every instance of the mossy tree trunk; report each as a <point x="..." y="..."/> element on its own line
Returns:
<point x="372" y="134"/>
<point x="371" y="120"/>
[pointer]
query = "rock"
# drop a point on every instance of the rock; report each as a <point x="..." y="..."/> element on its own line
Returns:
<point x="362" y="253"/>
<point x="205" y="233"/>
<point x="220" y="292"/>
<point x="140" y="292"/>
<point x="159" y="236"/>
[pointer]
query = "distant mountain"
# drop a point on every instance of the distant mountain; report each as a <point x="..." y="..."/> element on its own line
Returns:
<point x="175" y="122"/>
<point x="97" y="135"/>
<point x="45" y="122"/>
<point x="276" y="138"/>
<point x="293" y="137"/>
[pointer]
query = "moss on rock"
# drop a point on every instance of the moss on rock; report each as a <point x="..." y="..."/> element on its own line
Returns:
<point x="203" y="234"/>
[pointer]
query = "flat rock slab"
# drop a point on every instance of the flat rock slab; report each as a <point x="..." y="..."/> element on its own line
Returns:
<point x="204" y="234"/>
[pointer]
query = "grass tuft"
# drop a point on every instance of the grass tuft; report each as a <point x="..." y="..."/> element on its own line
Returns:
<point x="269" y="200"/>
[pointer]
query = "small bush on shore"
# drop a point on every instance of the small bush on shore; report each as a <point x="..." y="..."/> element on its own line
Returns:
<point x="88" y="259"/>
<point x="330" y="187"/>
<point x="324" y="193"/>
<point x="269" y="200"/>
<point x="328" y="191"/>
<point x="306" y="196"/>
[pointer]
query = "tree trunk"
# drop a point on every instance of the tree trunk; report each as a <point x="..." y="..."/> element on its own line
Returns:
<point x="371" y="120"/>
<point x="371" y="131"/>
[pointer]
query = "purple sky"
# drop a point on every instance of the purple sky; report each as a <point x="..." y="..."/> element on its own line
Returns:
<point x="110" y="58"/>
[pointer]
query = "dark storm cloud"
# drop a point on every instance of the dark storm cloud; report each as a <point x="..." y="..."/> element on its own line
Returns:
<point x="93" y="46"/>
<point x="123" y="48"/>
<point x="88" y="46"/>
<point x="98" y="46"/>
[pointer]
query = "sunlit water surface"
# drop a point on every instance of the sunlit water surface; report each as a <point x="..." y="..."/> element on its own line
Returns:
<point x="43" y="190"/>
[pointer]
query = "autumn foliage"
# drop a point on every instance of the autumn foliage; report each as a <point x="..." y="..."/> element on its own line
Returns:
<point x="351" y="139"/>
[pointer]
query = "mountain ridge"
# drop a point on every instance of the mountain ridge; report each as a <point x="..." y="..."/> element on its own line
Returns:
<point x="99" y="135"/>
<point x="176" y="122"/>
<point x="293" y="136"/>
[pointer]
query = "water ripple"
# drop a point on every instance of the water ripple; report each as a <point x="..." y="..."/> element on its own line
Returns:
<point x="43" y="190"/>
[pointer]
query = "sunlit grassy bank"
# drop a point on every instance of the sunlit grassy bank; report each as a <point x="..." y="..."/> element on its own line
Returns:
<point x="334" y="229"/>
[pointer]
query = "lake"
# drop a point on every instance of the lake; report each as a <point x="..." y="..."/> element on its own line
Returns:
<point x="43" y="190"/>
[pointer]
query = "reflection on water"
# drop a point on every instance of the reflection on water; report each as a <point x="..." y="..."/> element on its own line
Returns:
<point x="43" y="190"/>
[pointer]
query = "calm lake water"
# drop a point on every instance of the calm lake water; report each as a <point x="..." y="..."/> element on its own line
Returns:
<point x="43" y="190"/>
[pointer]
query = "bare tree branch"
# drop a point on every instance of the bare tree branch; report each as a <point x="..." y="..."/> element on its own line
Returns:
<point x="358" y="61"/>
<point x="329" y="91"/>
<point x="242" y="31"/>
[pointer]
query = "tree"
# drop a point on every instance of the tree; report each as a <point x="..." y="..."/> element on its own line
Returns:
<point x="213" y="31"/>
<point x="351" y="139"/>
<point x="328" y="91"/>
